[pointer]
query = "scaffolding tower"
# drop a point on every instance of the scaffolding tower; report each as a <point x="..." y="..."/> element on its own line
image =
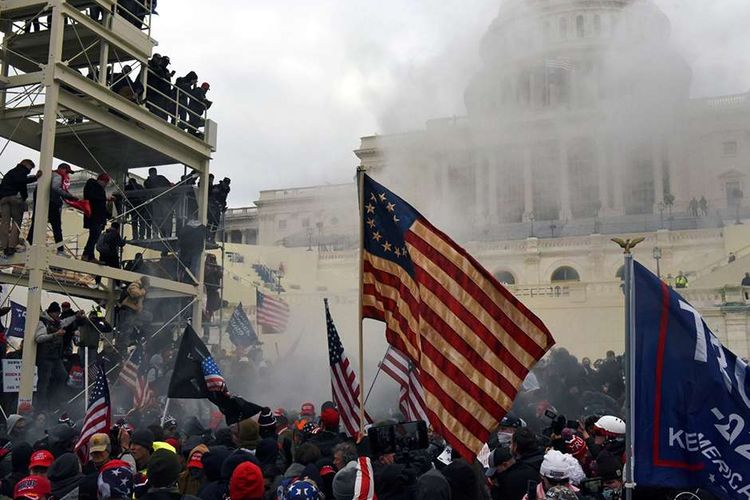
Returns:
<point x="47" y="104"/>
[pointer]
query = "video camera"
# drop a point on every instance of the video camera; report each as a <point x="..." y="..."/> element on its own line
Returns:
<point x="400" y="439"/>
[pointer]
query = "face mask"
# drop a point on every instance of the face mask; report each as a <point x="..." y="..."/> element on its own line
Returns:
<point x="504" y="437"/>
<point x="610" y="494"/>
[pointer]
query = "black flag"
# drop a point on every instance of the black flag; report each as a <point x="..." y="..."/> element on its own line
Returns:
<point x="241" y="332"/>
<point x="197" y="376"/>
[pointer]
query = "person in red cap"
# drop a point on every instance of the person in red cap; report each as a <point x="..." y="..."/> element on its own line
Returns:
<point x="192" y="478"/>
<point x="247" y="482"/>
<point x="32" y="488"/>
<point x="40" y="462"/>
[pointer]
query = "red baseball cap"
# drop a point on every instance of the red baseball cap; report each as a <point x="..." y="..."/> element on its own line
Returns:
<point x="41" y="458"/>
<point x="33" y="488"/>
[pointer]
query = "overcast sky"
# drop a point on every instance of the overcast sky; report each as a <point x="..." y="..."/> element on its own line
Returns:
<point x="296" y="83"/>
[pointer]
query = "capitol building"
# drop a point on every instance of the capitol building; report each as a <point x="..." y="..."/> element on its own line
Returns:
<point x="579" y="127"/>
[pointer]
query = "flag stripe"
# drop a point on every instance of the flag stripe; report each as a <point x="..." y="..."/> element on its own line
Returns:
<point x="471" y="281"/>
<point x="532" y="333"/>
<point x="271" y="311"/>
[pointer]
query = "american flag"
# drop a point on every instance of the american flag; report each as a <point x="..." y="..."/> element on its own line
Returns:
<point x="98" y="415"/>
<point x="133" y="375"/>
<point x="343" y="380"/>
<point x="214" y="381"/>
<point x="400" y="369"/>
<point x="271" y="312"/>
<point x="364" y="482"/>
<point x="471" y="339"/>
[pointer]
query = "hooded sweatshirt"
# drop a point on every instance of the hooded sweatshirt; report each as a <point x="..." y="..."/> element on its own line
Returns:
<point x="65" y="476"/>
<point x="432" y="485"/>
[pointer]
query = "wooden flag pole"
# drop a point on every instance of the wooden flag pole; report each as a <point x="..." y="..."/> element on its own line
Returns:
<point x="361" y="192"/>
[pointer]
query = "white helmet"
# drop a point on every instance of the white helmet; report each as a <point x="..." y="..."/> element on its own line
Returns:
<point x="610" y="426"/>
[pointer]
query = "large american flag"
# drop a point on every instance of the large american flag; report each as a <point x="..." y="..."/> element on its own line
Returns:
<point x="343" y="380"/>
<point x="271" y="312"/>
<point x="402" y="370"/>
<point x="133" y="375"/>
<point x="471" y="339"/>
<point x="99" y="414"/>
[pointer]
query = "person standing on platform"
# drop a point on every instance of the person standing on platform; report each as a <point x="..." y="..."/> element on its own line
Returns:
<point x="49" y="353"/>
<point x="140" y="223"/>
<point x="95" y="192"/>
<point x="13" y="195"/>
<point x="162" y="206"/>
<point x="132" y="315"/>
<point x="109" y="245"/>
<point x="58" y="193"/>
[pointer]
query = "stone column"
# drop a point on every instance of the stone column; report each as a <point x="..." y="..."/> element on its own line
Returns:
<point x="603" y="173"/>
<point x="621" y="163"/>
<point x="565" y="212"/>
<point x="492" y="170"/>
<point x="480" y="186"/>
<point x="528" y="183"/>
<point x="657" y="168"/>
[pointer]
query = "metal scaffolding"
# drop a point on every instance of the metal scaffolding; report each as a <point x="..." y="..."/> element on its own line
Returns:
<point x="85" y="122"/>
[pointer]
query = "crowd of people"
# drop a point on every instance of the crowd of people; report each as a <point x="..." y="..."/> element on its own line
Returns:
<point x="155" y="209"/>
<point x="563" y="439"/>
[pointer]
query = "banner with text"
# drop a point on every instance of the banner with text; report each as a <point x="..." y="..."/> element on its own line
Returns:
<point x="692" y="411"/>
<point x="12" y="375"/>
<point x="17" y="319"/>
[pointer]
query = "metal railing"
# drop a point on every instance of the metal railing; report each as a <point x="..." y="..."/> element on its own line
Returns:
<point x="178" y="111"/>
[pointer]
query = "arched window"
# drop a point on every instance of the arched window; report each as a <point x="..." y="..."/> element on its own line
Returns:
<point x="565" y="273"/>
<point x="563" y="28"/>
<point x="597" y="24"/>
<point x="620" y="274"/>
<point x="579" y="27"/>
<point x="505" y="277"/>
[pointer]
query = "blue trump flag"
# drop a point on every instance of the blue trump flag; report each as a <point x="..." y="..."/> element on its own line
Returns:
<point x="692" y="411"/>
<point x="17" y="320"/>
<point x="241" y="332"/>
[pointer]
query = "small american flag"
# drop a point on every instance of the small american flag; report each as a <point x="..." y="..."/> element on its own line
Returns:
<point x="411" y="400"/>
<point x="343" y="380"/>
<point x="214" y="381"/>
<point x="133" y="375"/>
<point x="98" y="415"/>
<point x="272" y="312"/>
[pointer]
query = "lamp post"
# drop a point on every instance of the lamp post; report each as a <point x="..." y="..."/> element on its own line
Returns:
<point x="656" y="253"/>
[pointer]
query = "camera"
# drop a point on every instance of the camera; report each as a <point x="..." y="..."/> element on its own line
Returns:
<point x="399" y="438"/>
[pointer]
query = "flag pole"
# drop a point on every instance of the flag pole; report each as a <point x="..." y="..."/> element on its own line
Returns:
<point x="361" y="192"/>
<point x="164" y="413"/>
<point x="629" y="291"/>
<point x="86" y="379"/>
<point x="377" y="374"/>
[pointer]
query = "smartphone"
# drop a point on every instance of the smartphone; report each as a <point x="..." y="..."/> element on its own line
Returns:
<point x="531" y="490"/>
<point x="591" y="486"/>
<point x="550" y="414"/>
<point x="398" y="438"/>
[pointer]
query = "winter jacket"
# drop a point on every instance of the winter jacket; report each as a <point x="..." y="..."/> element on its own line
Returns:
<point x="65" y="476"/>
<point x="110" y="242"/>
<point x="58" y="193"/>
<point x="541" y="494"/>
<point x="512" y="484"/>
<point x="15" y="182"/>
<point x="191" y="238"/>
<point x="533" y="458"/>
<point x="432" y="485"/>
<point x="97" y="196"/>
<point x="134" y="296"/>
<point x="49" y="344"/>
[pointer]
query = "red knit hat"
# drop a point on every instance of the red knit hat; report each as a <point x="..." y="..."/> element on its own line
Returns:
<point x="247" y="482"/>
<point x="576" y="446"/>
<point x="329" y="418"/>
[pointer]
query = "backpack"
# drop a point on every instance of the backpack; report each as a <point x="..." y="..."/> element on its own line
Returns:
<point x="101" y="243"/>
